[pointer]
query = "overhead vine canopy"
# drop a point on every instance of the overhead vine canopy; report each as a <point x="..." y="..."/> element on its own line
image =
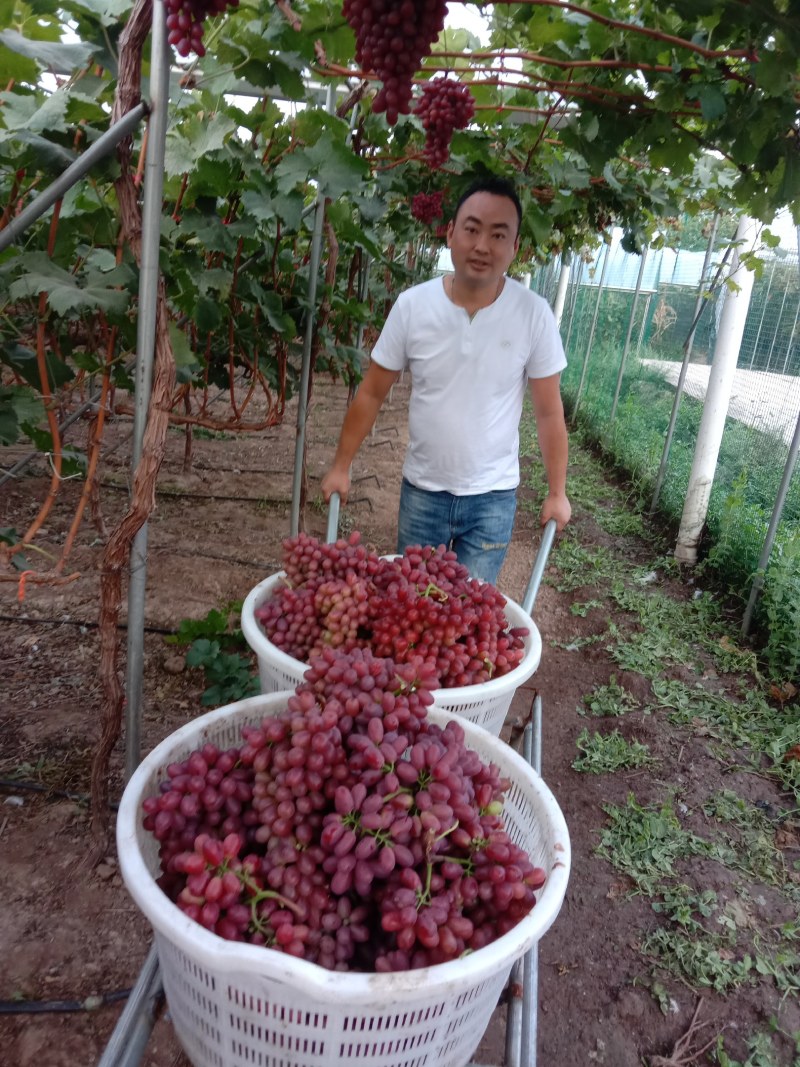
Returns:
<point x="609" y="112"/>
<point x="607" y="109"/>
<point x="604" y="112"/>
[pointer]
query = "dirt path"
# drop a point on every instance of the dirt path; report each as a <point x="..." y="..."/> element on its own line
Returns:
<point x="70" y="932"/>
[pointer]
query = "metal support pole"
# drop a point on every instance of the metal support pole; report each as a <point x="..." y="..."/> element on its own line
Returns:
<point x="762" y="316"/>
<point x="104" y="144"/>
<point x="577" y="267"/>
<point x="363" y="290"/>
<point x="645" y="317"/>
<point x="792" y="336"/>
<point x="777" y="327"/>
<point x="769" y="540"/>
<point x="627" y="344"/>
<point x="591" y="331"/>
<point x="311" y="317"/>
<point x="145" y="349"/>
<point x="676" y="401"/>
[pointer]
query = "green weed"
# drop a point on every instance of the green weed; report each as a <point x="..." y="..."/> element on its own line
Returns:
<point x="645" y="843"/>
<point x="610" y="699"/>
<point x="579" y="566"/>
<point x="605" y="753"/>
<point x="621" y="523"/>
<point x="222" y="623"/>
<point x="763" y="733"/>
<point x="707" y="961"/>
<point x="583" y="609"/>
<point x="214" y="645"/>
<point x="762" y="1050"/>
<point x="229" y="676"/>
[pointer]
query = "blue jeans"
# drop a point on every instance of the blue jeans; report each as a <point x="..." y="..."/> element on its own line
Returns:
<point x="477" y="528"/>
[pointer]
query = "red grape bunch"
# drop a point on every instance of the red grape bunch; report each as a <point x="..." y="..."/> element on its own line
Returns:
<point x="392" y="39"/>
<point x="347" y="830"/>
<point x="421" y="607"/>
<point x="445" y="105"/>
<point x="185" y="23"/>
<point x="427" y="207"/>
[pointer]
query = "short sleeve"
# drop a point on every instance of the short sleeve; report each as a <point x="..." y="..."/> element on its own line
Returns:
<point x="547" y="351"/>
<point x="391" y="348"/>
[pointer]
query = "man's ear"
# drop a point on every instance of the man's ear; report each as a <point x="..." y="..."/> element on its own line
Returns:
<point x="450" y="227"/>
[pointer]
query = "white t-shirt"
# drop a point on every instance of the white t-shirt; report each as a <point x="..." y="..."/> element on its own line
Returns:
<point x="468" y="382"/>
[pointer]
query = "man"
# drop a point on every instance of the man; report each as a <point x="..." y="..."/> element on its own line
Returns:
<point x="471" y="340"/>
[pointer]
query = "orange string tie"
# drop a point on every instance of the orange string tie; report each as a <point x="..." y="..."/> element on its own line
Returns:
<point x="21" y="589"/>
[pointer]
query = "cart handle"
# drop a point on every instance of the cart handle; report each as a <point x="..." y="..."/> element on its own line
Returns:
<point x="539" y="564"/>
<point x="332" y="532"/>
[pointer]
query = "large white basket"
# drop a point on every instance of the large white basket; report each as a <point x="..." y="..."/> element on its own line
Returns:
<point x="240" y="1005"/>
<point x="485" y="703"/>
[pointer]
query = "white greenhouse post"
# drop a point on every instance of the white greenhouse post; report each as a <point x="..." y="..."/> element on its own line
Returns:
<point x="145" y="351"/>
<point x="575" y="273"/>
<point x="687" y="352"/>
<point x="715" y="408"/>
<point x="561" y="292"/>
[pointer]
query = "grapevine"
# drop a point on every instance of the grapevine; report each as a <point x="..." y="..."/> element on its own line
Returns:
<point x="445" y="105"/>
<point x="422" y="605"/>
<point x="392" y="39"/>
<point x="347" y="830"/>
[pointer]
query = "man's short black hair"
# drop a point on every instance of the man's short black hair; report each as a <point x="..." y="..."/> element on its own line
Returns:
<point x="497" y="186"/>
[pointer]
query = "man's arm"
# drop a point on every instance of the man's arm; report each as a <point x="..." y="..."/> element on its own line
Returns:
<point x="358" y="421"/>
<point x="552" y="433"/>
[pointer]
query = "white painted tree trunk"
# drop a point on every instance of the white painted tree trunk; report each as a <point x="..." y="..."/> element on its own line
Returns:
<point x="715" y="409"/>
<point x="561" y="292"/>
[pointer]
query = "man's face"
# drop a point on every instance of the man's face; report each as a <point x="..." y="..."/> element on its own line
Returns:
<point x="483" y="239"/>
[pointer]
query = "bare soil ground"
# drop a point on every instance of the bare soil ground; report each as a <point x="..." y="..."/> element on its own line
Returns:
<point x="70" y="931"/>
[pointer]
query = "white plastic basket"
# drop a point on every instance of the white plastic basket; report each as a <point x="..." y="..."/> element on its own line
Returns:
<point x="240" y="1005"/>
<point x="485" y="703"/>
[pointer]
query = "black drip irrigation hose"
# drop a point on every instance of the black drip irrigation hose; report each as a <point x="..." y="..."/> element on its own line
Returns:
<point x="17" y="784"/>
<point x="39" y="1007"/>
<point x="88" y="624"/>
